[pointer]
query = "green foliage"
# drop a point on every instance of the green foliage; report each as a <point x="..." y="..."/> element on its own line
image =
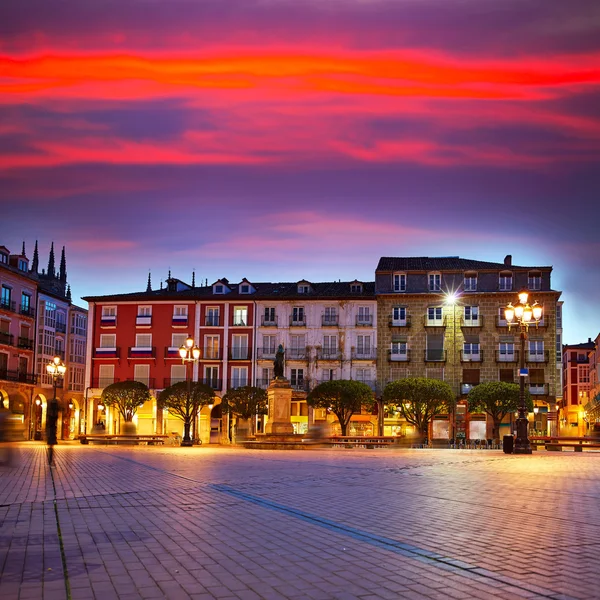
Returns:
<point x="245" y="402"/>
<point x="184" y="402"/>
<point x="343" y="397"/>
<point x="419" y="399"/>
<point x="127" y="396"/>
<point x="497" y="399"/>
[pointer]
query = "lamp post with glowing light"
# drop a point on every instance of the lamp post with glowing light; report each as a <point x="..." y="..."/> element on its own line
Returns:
<point x="522" y="315"/>
<point x="451" y="299"/>
<point x="189" y="353"/>
<point x="55" y="368"/>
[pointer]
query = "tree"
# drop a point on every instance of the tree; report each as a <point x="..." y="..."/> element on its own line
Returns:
<point x="343" y="397"/>
<point x="497" y="399"/>
<point x="246" y="402"/>
<point x="184" y="400"/>
<point x="126" y="396"/>
<point x="419" y="399"/>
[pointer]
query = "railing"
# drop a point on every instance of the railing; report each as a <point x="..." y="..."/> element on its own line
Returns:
<point x="435" y="355"/>
<point x="297" y="322"/>
<point x="538" y="389"/>
<point x="233" y="384"/>
<point x="399" y="356"/>
<point x="268" y="322"/>
<point x="214" y="383"/>
<point x="29" y="378"/>
<point x="147" y="381"/>
<point x="330" y="320"/>
<point x="61" y="327"/>
<point x="212" y="321"/>
<point x="300" y="386"/>
<point x="142" y="352"/>
<point x="427" y="322"/>
<point x="471" y="356"/>
<point x="169" y="381"/>
<point x="239" y="354"/>
<point x="400" y="322"/>
<point x="478" y="322"/>
<point x="296" y="353"/>
<point x="25" y="343"/>
<point x="329" y="354"/>
<point x="364" y="321"/>
<point x="211" y="353"/>
<point x="367" y="354"/>
<point x="265" y="354"/>
<point x="8" y="305"/>
<point x="262" y="383"/>
<point x="107" y="352"/>
<point x="102" y="382"/>
<point x="27" y="310"/>
<point x="8" y="339"/>
<point x="503" y="357"/>
<point x="239" y="323"/>
<point x="143" y="320"/>
<point x="538" y="358"/>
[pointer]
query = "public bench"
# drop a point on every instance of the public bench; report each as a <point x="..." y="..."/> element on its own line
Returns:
<point x="556" y="444"/>
<point x="131" y="439"/>
<point x="369" y="442"/>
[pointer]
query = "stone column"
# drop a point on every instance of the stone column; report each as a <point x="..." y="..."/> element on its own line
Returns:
<point x="279" y="393"/>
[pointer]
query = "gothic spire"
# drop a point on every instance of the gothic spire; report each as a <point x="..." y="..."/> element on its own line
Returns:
<point x="36" y="259"/>
<point x="149" y="286"/>
<point x="193" y="279"/>
<point x="51" y="269"/>
<point x="23" y="249"/>
<point x="69" y="293"/>
<point x="62" y="274"/>
<point x="169" y="277"/>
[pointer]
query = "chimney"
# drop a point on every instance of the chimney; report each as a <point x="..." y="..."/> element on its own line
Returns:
<point x="508" y="260"/>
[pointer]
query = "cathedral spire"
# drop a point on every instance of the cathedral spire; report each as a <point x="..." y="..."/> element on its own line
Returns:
<point x="36" y="260"/>
<point x="69" y="294"/>
<point x="23" y="249"/>
<point x="62" y="274"/>
<point x="51" y="269"/>
<point x="149" y="286"/>
<point x="193" y="279"/>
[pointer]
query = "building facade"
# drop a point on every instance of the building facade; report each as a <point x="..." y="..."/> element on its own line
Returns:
<point x="443" y="318"/>
<point x="592" y="408"/>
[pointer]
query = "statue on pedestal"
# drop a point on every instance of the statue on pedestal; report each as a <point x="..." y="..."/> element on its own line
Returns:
<point x="278" y="362"/>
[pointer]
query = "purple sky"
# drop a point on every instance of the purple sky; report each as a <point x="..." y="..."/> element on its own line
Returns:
<point x="280" y="140"/>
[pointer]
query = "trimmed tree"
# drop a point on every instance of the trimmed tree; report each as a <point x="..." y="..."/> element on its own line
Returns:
<point x="497" y="399"/>
<point x="246" y="402"/>
<point x="126" y="397"/>
<point x="418" y="400"/>
<point x="343" y="397"/>
<point x="185" y="401"/>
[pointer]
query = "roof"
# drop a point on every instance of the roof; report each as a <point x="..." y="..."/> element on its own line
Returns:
<point x="264" y="291"/>
<point x="442" y="263"/>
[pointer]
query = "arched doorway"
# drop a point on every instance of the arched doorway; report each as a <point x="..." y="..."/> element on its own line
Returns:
<point x="71" y="418"/>
<point x="216" y="415"/>
<point x="38" y="417"/>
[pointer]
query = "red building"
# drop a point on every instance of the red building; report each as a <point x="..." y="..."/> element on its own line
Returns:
<point x="576" y="388"/>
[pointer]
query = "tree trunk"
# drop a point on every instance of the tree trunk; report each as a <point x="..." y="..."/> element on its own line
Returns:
<point x="496" y="428"/>
<point x="187" y="440"/>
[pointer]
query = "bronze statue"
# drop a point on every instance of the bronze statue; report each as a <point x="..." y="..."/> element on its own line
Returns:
<point x="278" y="362"/>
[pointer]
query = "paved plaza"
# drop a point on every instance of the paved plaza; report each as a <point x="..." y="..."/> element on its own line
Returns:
<point x="228" y="523"/>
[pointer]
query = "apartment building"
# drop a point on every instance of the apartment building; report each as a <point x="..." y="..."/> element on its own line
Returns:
<point x="592" y="407"/>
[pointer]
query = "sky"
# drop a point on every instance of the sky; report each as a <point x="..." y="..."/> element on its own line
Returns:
<point x="281" y="140"/>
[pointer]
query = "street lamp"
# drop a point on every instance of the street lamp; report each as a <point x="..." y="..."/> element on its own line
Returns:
<point x="189" y="353"/>
<point x="522" y="315"/>
<point x="56" y="368"/>
<point x="452" y="300"/>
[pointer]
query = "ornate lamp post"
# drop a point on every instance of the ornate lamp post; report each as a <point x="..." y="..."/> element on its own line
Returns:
<point x="522" y="315"/>
<point x="451" y="299"/>
<point x="56" y="368"/>
<point x="189" y="353"/>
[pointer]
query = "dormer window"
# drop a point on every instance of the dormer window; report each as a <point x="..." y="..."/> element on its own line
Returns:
<point x="399" y="282"/>
<point x="244" y="289"/>
<point x="218" y="289"/>
<point x="534" y="280"/>
<point x="505" y="281"/>
<point x="470" y="282"/>
<point x="356" y="288"/>
<point x="303" y="289"/>
<point x="23" y="265"/>
<point x="3" y="258"/>
<point x="435" y="282"/>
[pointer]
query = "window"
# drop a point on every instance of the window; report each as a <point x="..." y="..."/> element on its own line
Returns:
<point x="435" y="348"/>
<point x="330" y="316"/>
<point x="399" y="350"/>
<point x="240" y="315"/>
<point x="107" y="311"/>
<point x="22" y="265"/>
<point x="244" y="289"/>
<point x="108" y="340"/>
<point x="505" y="282"/>
<point x="534" y="280"/>
<point x="178" y="374"/>
<point x="106" y="375"/>
<point x="144" y="311"/>
<point x="211" y="377"/>
<point x="211" y="347"/>
<point x="49" y="343"/>
<point x="266" y="377"/>
<point x="435" y="282"/>
<point x="303" y="289"/>
<point x="507" y="351"/>
<point x="434" y="315"/>
<point x="3" y="258"/>
<point x="61" y="321"/>
<point x="399" y="282"/>
<point x="471" y="315"/>
<point x="558" y="348"/>
<point x="298" y="315"/>
<point x="178" y="340"/>
<point x="506" y="375"/>
<point x="143" y="340"/>
<point x="471" y="351"/>
<point x="239" y="347"/>
<point x="269" y="317"/>
<point x="212" y="316"/>
<point x="180" y="311"/>
<point x="141" y="373"/>
<point x="363" y="345"/>
<point x="356" y="288"/>
<point x="77" y="351"/>
<point x="78" y="324"/>
<point x="297" y="347"/>
<point x="329" y="346"/>
<point x="269" y="345"/>
<point x="399" y="315"/>
<point x="25" y="303"/>
<point x="536" y="351"/>
<point x="559" y="316"/>
<point x="470" y="282"/>
<point x="218" y="289"/>
<point x="297" y="378"/>
<point x="364" y="316"/>
<point x="239" y="377"/>
<point x="363" y="375"/>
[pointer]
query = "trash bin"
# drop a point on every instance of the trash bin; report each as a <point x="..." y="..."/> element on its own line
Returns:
<point x="508" y="442"/>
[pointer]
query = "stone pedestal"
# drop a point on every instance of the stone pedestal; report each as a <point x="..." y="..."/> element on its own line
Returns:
<point x="279" y="393"/>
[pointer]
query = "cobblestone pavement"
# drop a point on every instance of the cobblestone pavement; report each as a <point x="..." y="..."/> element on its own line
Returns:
<point x="227" y="523"/>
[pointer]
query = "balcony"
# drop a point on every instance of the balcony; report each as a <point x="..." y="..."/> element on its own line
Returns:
<point x="27" y="310"/>
<point x="398" y="356"/>
<point x="268" y="321"/>
<point x="538" y="358"/>
<point x="427" y="322"/>
<point x="472" y="323"/>
<point x="8" y="339"/>
<point x="108" y="321"/>
<point x="263" y="384"/>
<point x="329" y="354"/>
<point x="211" y="354"/>
<point x="7" y="305"/>
<point x="400" y="322"/>
<point x="61" y="327"/>
<point x="233" y="384"/>
<point x="265" y="353"/>
<point x="364" y="354"/>
<point x="213" y="382"/>
<point x="212" y="321"/>
<point x="298" y="322"/>
<point x="102" y="382"/>
<point x="364" y="321"/>
<point x="143" y="321"/>
<point x="169" y="381"/>
<point x="110" y="352"/>
<point x="25" y="343"/>
<point x="538" y="389"/>
<point x="142" y="352"/>
<point x="300" y="385"/>
<point x="239" y="322"/>
<point x="147" y="381"/>
<point x="296" y="353"/>
<point x="435" y="355"/>
<point x="239" y="353"/>
<point x="29" y="378"/>
<point x="330" y="320"/>
<point x="466" y="357"/>
<point x="505" y="357"/>
<point x="179" y="321"/>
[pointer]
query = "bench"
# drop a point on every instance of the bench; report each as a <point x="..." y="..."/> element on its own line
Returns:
<point x="132" y="439"/>
<point x="553" y="446"/>
<point x="369" y="442"/>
